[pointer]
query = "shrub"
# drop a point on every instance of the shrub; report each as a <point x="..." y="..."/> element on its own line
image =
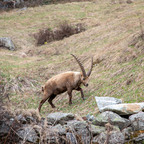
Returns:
<point x="64" y="30"/>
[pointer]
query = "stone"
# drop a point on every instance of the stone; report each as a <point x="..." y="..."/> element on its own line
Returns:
<point x="58" y="117"/>
<point x="4" y="129"/>
<point x="7" y="42"/>
<point x="21" y="118"/>
<point x="81" y="129"/>
<point x="30" y="119"/>
<point x="105" y="101"/>
<point x="96" y="130"/>
<point x="140" y="138"/>
<point x="25" y="119"/>
<point x="28" y="133"/>
<point x="112" y="118"/>
<point x="114" y="137"/>
<point x="53" y="137"/>
<point x="60" y="129"/>
<point x="71" y="138"/>
<point x="127" y="132"/>
<point x="137" y="121"/>
<point x="77" y="125"/>
<point x="125" y="109"/>
<point x="90" y="117"/>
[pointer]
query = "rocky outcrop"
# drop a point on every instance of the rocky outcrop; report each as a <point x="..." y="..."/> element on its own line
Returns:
<point x="64" y="128"/>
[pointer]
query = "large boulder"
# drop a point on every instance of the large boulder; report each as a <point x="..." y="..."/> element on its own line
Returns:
<point x="106" y="101"/>
<point x="58" y="117"/>
<point x="7" y="42"/>
<point x="112" y="118"/>
<point x="124" y="109"/>
<point x="137" y="121"/>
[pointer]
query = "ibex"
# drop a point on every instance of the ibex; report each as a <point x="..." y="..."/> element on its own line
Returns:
<point x="67" y="81"/>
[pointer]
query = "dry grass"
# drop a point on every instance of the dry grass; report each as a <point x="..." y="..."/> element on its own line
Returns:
<point x="110" y="27"/>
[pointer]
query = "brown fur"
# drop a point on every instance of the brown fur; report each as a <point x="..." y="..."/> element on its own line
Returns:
<point x="60" y="83"/>
<point x="63" y="82"/>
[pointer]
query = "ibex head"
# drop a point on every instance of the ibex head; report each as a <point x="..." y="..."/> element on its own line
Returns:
<point x="85" y="76"/>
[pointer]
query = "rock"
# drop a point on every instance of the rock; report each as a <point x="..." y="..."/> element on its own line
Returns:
<point x="61" y="118"/>
<point x="90" y="117"/>
<point x="21" y="118"/>
<point x="4" y="129"/>
<point x="25" y="119"/>
<point x="112" y="118"/>
<point x="53" y="137"/>
<point x="81" y="129"/>
<point x="71" y="138"/>
<point x="125" y="109"/>
<point x="105" y="101"/>
<point x="7" y="42"/>
<point x="127" y="132"/>
<point x="137" y="121"/>
<point x="95" y="130"/>
<point x="60" y="129"/>
<point x="77" y="125"/>
<point x="19" y="2"/>
<point x="28" y="133"/>
<point x="30" y="119"/>
<point x="114" y="137"/>
<point x="140" y="138"/>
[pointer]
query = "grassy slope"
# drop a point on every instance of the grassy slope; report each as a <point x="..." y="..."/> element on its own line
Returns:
<point x="109" y="30"/>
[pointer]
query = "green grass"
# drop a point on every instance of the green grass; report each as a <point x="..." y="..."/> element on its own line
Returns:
<point x="109" y="29"/>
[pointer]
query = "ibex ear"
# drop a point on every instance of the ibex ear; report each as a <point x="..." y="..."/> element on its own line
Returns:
<point x="42" y="89"/>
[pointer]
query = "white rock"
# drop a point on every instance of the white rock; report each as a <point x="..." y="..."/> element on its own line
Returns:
<point x="124" y="109"/>
<point x="105" y="101"/>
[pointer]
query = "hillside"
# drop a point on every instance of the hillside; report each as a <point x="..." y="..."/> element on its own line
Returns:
<point x="111" y="37"/>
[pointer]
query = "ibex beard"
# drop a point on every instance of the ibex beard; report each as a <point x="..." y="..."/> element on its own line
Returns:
<point x="67" y="81"/>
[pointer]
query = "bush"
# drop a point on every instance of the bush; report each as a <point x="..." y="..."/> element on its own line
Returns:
<point x="64" y="30"/>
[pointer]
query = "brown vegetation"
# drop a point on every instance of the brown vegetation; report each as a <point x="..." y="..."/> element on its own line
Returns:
<point x="64" y="30"/>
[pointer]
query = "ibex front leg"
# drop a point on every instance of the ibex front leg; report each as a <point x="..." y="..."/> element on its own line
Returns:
<point x="70" y="96"/>
<point x="82" y="94"/>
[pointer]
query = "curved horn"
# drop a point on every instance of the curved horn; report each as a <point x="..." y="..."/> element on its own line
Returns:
<point x="81" y="66"/>
<point x="88" y="74"/>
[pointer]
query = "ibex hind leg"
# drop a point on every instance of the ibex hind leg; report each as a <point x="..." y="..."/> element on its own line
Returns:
<point x="51" y="99"/>
<point x="41" y="103"/>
